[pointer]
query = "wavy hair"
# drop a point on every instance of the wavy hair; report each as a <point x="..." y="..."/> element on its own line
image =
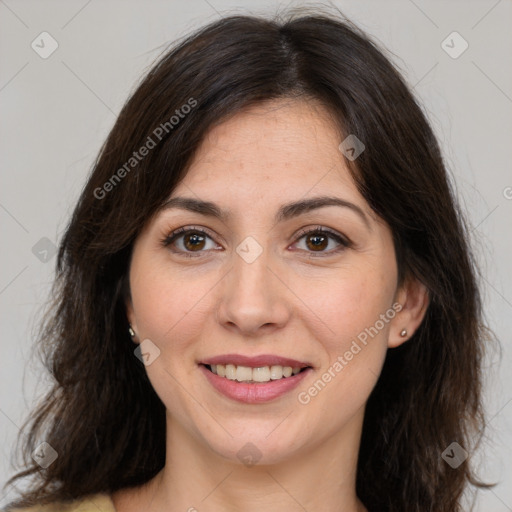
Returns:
<point x="102" y="415"/>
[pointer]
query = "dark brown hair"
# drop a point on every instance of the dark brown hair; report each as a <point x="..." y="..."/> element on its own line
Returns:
<point x="102" y="415"/>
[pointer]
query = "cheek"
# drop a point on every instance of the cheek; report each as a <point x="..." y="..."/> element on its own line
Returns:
<point x="350" y="302"/>
<point x="166" y="302"/>
<point x="356" y="312"/>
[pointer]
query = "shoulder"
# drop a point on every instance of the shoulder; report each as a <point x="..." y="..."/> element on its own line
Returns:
<point x="92" y="503"/>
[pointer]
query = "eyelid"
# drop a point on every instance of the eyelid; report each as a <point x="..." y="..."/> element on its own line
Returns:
<point x="183" y="230"/>
<point x="342" y="239"/>
<point x="177" y="233"/>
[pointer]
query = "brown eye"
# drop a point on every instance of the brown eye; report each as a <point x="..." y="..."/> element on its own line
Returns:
<point x="189" y="241"/>
<point x="194" y="241"/>
<point x="320" y="241"/>
<point x="317" y="242"/>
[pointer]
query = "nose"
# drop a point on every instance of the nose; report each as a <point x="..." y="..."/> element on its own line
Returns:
<point x="254" y="299"/>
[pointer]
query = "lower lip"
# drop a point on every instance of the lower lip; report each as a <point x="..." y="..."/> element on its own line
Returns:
<point x="254" y="393"/>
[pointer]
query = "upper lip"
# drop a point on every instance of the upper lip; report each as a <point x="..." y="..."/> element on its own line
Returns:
<point x="255" y="361"/>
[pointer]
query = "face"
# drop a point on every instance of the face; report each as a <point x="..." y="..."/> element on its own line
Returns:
<point x="252" y="276"/>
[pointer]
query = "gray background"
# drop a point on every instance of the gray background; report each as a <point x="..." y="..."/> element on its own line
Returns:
<point x="57" y="111"/>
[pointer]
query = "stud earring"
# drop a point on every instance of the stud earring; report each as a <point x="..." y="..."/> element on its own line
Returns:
<point x="131" y="331"/>
<point x="403" y="333"/>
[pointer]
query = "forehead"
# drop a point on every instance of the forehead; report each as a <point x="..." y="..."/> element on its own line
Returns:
<point x="268" y="156"/>
<point x="269" y="152"/>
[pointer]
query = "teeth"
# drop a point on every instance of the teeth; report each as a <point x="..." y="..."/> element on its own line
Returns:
<point x="247" y="374"/>
<point x="276" y="372"/>
<point x="262" y="374"/>
<point x="230" y="371"/>
<point x="243" y="373"/>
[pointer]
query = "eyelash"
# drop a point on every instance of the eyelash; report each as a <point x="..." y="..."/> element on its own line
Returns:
<point x="344" y="242"/>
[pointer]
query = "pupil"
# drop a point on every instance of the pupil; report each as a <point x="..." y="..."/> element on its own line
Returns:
<point x="193" y="241"/>
<point x="318" y="241"/>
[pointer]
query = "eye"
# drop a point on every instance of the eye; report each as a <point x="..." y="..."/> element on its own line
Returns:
<point x="188" y="241"/>
<point x="192" y="241"/>
<point x="318" y="239"/>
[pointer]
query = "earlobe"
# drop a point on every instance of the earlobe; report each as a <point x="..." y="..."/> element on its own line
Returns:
<point x="414" y="299"/>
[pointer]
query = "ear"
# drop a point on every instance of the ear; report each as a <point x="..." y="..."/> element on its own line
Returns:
<point x="130" y="314"/>
<point x="414" y="299"/>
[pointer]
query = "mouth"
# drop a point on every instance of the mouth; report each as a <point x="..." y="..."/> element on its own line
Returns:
<point x="257" y="375"/>
<point x="254" y="380"/>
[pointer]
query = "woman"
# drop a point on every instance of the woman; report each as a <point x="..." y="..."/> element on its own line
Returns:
<point x="265" y="296"/>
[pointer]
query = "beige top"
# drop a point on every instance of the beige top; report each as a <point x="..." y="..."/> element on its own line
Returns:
<point x="91" y="503"/>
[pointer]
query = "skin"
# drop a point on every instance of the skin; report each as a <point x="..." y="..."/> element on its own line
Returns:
<point x="293" y="300"/>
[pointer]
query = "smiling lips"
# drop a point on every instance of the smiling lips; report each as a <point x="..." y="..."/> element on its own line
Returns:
<point x="248" y="374"/>
<point x="254" y="379"/>
<point x="261" y="368"/>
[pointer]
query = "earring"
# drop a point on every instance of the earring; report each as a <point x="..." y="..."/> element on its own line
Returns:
<point x="403" y="333"/>
<point x="131" y="331"/>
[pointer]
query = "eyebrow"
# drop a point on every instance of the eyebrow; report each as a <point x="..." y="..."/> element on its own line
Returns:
<point x="285" y="212"/>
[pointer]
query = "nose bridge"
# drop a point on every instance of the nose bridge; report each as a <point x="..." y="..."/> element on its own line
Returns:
<point x="251" y="294"/>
